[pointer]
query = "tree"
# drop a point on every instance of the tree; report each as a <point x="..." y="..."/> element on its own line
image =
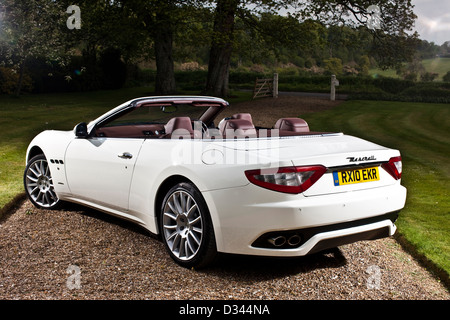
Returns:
<point x="221" y="47"/>
<point x="30" y="29"/>
<point x="285" y="35"/>
<point x="364" y="65"/>
<point x="389" y="22"/>
<point x="411" y="70"/>
<point x="225" y="14"/>
<point x="105" y="41"/>
<point x="161" y="19"/>
<point x="428" y="76"/>
<point x="333" y="66"/>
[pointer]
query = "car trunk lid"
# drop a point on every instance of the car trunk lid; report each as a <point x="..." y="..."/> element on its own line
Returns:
<point x="353" y="163"/>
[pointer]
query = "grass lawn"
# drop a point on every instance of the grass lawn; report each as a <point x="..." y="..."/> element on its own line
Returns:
<point x="437" y="65"/>
<point x="421" y="132"/>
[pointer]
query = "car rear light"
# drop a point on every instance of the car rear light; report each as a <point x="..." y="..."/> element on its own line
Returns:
<point x="286" y="179"/>
<point x="394" y="167"/>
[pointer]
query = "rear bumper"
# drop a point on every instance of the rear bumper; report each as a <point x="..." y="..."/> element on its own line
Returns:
<point x="246" y="218"/>
<point x="367" y="232"/>
<point x="326" y="237"/>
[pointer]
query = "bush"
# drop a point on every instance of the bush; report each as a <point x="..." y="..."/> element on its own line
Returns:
<point x="427" y="91"/>
<point x="299" y="61"/>
<point x="47" y="76"/>
<point x="82" y="73"/>
<point x="333" y="66"/>
<point x="246" y="77"/>
<point x="9" y="78"/>
<point x="423" y="92"/>
<point x="114" y="70"/>
<point x="392" y="85"/>
<point x="137" y="77"/>
<point x="410" y="76"/>
<point x="446" y="77"/>
<point x="428" y="76"/>
<point x="364" y="65"/>
<point x="191" y="80"/>
<point x="309" y="63"/>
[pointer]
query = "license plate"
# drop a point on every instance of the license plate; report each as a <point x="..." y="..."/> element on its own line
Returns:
<point x="355" y="176"/>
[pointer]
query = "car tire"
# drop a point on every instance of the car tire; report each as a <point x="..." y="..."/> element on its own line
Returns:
<point x="38" y="183"/>
<point x="186" y="227"/>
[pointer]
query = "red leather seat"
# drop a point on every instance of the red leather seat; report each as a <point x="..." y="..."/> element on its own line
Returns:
<point x="243" y="116"/>
<point x="239" y="126"/>
<point x="292" y="124"/>
<point x="179" y="127"/>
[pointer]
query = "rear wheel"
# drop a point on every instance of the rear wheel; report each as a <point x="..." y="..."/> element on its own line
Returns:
<point x="38" y="183"/>
<point x="186" y="227"/>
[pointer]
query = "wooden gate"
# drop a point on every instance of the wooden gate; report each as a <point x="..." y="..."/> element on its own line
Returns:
<point x="266" y="87"/>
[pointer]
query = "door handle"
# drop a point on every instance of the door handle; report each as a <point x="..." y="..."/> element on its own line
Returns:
<point x="125" y="155"/>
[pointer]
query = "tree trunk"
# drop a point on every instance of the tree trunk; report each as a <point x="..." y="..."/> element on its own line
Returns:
<point x="20" y="80"/>
<point x="221" y="48"/>
<point x="165" y="76"/>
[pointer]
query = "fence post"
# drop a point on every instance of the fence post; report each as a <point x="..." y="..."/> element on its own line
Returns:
<point x="275" y="85"/>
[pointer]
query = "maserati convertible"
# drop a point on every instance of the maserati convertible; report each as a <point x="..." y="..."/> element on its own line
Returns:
<point x="208" y="185"/>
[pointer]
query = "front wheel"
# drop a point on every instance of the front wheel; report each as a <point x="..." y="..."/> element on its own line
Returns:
<point x="38" y="183"/>
<point x="186" y="227"/>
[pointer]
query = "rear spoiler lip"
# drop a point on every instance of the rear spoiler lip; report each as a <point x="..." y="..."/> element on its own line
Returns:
<point x="356" y="166"/>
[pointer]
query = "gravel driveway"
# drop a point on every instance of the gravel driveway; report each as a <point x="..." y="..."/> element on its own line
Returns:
<point x="79" y="253"/>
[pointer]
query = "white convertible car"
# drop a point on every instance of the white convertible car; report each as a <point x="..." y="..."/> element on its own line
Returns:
<point x="228" y="186"/>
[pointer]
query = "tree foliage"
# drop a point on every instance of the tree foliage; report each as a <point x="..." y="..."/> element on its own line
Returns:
<point x="391" y="44"/>
<point x="219" y="33"/>
<point x="27" y="30"/>
<point x="390" y="23"/>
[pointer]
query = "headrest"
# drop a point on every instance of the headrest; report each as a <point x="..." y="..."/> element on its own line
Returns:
<point x="238" y="128"/>
<point x="182" y="126"/>
<point x="243" y="116"/>
<point x="292" y="124"/>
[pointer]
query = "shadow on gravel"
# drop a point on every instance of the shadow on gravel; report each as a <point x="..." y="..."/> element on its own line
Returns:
<point x="254" y="268"/>
<point x="109" y="218"/>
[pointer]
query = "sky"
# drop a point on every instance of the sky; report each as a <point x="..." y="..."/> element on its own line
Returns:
<point x="433" y="20"/>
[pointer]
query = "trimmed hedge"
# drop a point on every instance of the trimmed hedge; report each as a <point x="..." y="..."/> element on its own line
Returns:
<point x="420" y="92"/>
<point x="84" y="75"/>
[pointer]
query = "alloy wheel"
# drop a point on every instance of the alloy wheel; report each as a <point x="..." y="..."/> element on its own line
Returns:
<point x="182" y="225"/>
<point x="39" y="183"/>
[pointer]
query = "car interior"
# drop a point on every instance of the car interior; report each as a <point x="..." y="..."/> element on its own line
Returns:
<point x="158" y="121"/>
<point x="237" y="126"/>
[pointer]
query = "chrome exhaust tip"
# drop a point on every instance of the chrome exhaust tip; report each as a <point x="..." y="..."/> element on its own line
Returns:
<point x="294" y="240"/>
<point x="277" y="241"/>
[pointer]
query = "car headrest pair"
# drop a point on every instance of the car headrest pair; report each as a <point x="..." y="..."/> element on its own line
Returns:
<point x="240" y="125"/>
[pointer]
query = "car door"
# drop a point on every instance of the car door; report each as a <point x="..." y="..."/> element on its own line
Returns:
<point x="100" y="169"/>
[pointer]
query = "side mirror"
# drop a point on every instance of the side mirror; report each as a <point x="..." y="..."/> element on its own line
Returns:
<point x="81" y="130"/>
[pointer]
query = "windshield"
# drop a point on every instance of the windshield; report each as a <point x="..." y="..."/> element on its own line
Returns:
<point x="157" y="114"/>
